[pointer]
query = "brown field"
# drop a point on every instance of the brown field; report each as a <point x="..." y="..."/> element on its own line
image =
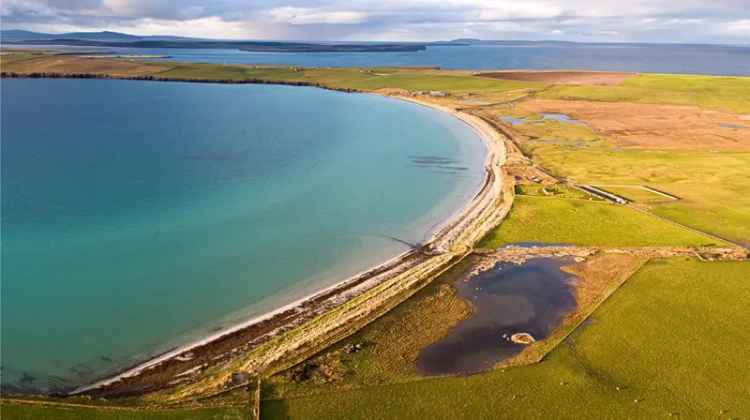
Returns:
<point x="654" y="126"/>
<point x="563" y="77"/>
<point x="74" y="64"/>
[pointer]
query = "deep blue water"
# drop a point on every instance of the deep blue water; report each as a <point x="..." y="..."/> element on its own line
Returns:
<point x="653" y="58"/>
<point x="139" y="215"/>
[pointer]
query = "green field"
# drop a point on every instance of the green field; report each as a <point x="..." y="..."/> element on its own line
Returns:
<point x="713" y="185"/>
<point x="670" y="343"/>
<point x="351" y="78"/>
<point x="730" y="94"/>
<point x="584" y="222"/>
<point x="15" y="411"/>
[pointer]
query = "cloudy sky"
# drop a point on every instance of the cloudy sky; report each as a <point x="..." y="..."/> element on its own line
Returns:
<point x="705" y="21"/>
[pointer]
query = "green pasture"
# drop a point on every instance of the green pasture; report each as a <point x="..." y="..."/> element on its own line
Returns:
<point x="671" y="343"/>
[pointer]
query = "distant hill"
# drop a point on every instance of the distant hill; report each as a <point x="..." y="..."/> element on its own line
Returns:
<point x="18" y="36"/>
<point x="474" y="41"/>
<point x="116" y="39"/>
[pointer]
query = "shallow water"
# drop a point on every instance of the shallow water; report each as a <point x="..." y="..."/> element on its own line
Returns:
<point x="561" y="118"/>
<point x="138" y="215"/>
<point x="512" y="120"/>
<point x="530" y="298"/>
<point x="733" y="126"/>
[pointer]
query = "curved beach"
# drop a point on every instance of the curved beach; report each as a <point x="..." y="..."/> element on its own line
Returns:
<point x="451" y="241"/>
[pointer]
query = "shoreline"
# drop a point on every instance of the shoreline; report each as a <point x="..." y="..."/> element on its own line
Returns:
<point x="286" y="317"/>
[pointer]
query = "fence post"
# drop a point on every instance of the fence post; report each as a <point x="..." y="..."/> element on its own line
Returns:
<point x="255" y="399"/>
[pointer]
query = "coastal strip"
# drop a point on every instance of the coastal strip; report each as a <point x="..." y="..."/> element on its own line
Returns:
<point x="448" y="245"/>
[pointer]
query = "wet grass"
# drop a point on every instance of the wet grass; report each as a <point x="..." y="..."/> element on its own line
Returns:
<point x="555" y="132"/>
<point x="584" y="222"/>
<point x="731" y="94"/>
<point x="662" y="346"/>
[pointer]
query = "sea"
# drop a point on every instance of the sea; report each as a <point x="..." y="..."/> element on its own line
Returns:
<point x="139" y="216"/>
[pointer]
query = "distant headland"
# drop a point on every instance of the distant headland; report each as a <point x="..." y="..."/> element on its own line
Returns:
<point x="116" y="39"/>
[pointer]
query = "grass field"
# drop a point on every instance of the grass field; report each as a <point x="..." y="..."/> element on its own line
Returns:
<point x="712" y="185"/>
<point x="584" y="222"/>
<point x="340" y="78"/>
<point x="663" y="346"/>
<point x="731" y="94"/>
<point x="16" y="411"/>
<point x="358" y="79"/>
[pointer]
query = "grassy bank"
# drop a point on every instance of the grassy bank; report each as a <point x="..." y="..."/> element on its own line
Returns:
<point x="20" y="411"/>
<point x="614" y="368"/>
<point x="728" y="94"/>
<point x="584" y="222"/>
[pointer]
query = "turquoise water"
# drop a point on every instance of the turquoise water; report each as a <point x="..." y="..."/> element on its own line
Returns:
<point x="137" y="216"/>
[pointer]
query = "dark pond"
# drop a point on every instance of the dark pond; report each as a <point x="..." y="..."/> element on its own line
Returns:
<point x="530" y="298"/>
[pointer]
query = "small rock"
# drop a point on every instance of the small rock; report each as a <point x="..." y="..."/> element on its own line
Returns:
<point x="522" y="338"/>
<point x="239" y="378"/>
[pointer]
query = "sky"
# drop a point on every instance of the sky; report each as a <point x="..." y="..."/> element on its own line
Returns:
<point x="687" y="21"/>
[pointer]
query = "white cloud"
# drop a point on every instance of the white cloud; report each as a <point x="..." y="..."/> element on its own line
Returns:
<point x="740" y="27"/>
<point x="519" y="10"/>
<point x="577" y="20"/>
<point x="307" y="16"/>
